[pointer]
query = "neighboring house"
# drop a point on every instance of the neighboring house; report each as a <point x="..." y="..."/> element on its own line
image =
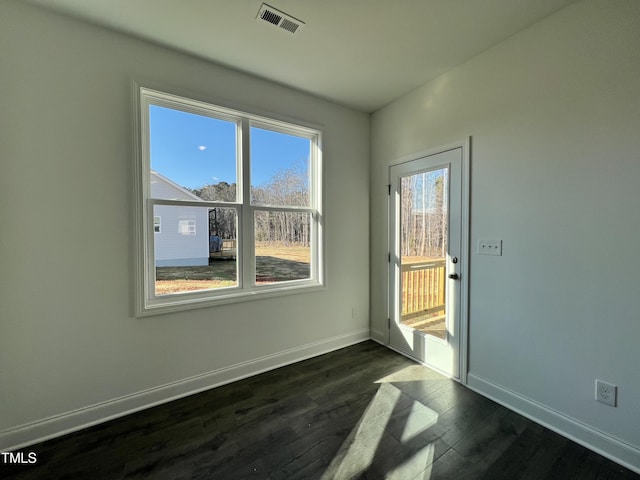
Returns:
<point x="181" y="233"/>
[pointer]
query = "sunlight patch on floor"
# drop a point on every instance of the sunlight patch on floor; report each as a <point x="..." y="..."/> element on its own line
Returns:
<point x="358" y="450"/>
<point x="419" y="419"/>
<point x="389" y="406"/>
<point x="417" y="468"/>
<point x="413" y="373"/>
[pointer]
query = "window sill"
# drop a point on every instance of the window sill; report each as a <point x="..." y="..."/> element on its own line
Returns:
<point x="192" y="301"/>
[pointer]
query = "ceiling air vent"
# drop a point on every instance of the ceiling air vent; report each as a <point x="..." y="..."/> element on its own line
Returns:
<point x="279" y="19"/>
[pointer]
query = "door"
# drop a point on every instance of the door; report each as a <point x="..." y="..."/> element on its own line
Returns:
<point x="427" y="259"/>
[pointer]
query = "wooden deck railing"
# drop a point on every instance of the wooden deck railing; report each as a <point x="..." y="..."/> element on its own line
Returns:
<point x="423" y="288"/>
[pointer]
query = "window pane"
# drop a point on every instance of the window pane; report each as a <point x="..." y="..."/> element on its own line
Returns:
<point x="282" y="247"/>
<point x="192" y="156"/>
<point x="423" y="249"/>
<point x="280" y="165"/>
<point x="199" y="185"/>
<point x="195" y="249"/>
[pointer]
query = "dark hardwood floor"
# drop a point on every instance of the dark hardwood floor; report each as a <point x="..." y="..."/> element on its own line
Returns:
<point x="362" y="412"/>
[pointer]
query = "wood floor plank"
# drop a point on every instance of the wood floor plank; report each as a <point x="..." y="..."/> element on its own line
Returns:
<point x="530" y="457"/>
<point x="363" y="412"/>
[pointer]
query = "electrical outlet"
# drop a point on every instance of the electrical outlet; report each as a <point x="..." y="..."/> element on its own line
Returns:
<point x="606" y="393"/>
<point x="355" y="313"/>
<point x="490" y="247"/>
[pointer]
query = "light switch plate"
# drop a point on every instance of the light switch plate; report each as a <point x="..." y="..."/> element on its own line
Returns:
<point x="490" y="247"/>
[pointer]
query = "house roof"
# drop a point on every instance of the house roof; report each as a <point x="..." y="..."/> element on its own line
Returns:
<point x="156" y="176"/>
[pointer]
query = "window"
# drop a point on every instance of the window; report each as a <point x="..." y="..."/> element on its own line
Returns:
<point x="239" y="199"/>
<point x="187" y="226"/>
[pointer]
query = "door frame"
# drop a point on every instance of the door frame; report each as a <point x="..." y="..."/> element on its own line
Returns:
<point x="465" y="253"/>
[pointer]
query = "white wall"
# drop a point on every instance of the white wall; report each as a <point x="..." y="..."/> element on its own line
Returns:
<point x="68" y="340"/>
<point x="554" y="115"/>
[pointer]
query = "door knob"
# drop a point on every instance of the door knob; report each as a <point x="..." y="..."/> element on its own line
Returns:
<point x="454" y="276"/>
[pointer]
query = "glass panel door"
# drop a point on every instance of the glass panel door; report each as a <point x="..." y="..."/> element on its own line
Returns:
<point x="425" y="238"/>
<point x="424" y="225"/>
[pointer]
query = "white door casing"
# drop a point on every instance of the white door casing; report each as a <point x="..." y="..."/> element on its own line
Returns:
<point x="438" y="339"/>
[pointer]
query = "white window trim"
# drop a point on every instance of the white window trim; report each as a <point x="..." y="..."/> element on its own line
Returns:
<point x="146" y="302"/>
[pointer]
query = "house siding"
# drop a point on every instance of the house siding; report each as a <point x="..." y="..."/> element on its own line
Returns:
<point x="173" y="247"/>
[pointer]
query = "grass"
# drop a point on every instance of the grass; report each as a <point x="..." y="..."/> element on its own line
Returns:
<point x="274" y="263"/>
<point x="166" y="287"/>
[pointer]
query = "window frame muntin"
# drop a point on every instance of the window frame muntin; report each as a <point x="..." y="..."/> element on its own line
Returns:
<point x="146" y="302"/>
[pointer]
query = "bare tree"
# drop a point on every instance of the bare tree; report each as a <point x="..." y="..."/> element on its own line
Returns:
<point x="288" y="187"/>
<point x="424" y="215"/>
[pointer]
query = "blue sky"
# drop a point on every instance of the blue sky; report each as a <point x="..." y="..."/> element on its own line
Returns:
<point x="423" y="187"/>
<point x="194" y="150"/>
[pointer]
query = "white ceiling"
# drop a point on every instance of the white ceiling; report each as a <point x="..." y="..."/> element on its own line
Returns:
<point x="360" y="53"/>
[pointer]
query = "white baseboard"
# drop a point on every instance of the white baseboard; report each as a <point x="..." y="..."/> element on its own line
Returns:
<point x="587" y="436"/>
<point x="58" y="425"/>
<point x="380" y="336"/>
